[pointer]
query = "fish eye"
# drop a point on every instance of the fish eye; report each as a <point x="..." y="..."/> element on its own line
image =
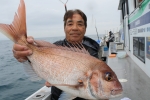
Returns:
<point x="108" y="76"/>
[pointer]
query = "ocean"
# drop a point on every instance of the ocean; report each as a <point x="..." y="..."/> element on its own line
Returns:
<point x="14" y="83"/>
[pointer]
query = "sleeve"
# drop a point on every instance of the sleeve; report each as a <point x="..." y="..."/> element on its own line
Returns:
<point x="111" y="38"/>
<point x="55" y="93"/>
<point x="59" y="43"/>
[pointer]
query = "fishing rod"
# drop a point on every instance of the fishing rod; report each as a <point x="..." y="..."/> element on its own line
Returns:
<point x="97" y="31"/>
<point x="64" y="4"/>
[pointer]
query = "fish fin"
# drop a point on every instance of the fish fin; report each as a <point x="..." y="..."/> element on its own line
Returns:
<point x="17" y="29"/>
<point x="76" y="47"/>
<point x="66" y="96"/>
<point x="30" y="72"/>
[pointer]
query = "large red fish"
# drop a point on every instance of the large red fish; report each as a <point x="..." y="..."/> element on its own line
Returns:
<point x="71" y="69"/>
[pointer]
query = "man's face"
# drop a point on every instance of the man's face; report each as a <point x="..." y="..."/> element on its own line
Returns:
<point x="75" y="28"/>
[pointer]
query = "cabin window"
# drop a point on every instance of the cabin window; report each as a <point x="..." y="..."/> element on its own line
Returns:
<point x="140" y="1"/>
<point x="137" y="2"/>
<point x="139" y="48"/>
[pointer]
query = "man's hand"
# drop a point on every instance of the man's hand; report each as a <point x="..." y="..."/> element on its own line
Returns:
<point x="47" y="84"/>
<point x="21" y="52"/>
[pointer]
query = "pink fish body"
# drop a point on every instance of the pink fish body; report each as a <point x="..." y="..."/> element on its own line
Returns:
<point x="72" y="69"/>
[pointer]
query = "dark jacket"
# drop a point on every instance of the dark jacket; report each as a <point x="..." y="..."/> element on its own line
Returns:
<point x="111" y="37"/>
<point x="91" y="46"/>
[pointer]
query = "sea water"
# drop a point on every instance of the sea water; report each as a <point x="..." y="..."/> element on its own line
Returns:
<point x="14" y="83"/>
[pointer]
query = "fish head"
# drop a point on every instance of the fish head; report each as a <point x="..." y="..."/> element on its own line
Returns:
<point x="103" y="82"/>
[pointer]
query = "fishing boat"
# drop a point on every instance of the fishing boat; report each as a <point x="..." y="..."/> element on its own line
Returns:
<point x="135" y="31"/>
<point x="132" y="47"/>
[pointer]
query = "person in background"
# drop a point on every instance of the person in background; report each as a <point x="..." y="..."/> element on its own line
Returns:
<point x="75" y="23"/>
<point x="110" y="39"/>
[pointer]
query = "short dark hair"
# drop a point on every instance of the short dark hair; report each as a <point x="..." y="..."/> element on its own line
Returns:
<point x="70" y="13"/>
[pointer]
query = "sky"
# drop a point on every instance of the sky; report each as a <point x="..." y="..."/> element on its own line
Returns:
<point x="44" y="18"/>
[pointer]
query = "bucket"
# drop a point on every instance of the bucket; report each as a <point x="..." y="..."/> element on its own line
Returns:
<point x="105" y="48"/>
<point x="122" y="54"/>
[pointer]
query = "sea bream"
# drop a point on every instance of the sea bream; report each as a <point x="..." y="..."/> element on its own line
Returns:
<point x="71" y="69"/>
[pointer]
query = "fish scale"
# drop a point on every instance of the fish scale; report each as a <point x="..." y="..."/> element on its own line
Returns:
<point x="58" y="67"/>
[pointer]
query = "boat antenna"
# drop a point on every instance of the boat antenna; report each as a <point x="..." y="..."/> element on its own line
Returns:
<point x="96" y="30"/>
<point x="64" y="4"/>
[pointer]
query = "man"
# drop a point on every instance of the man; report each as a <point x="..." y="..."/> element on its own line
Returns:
<point x="75" y="23"/>
<point x="110" y="39"/>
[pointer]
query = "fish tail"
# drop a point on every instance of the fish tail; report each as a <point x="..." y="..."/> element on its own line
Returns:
<point x="16" y="31"/>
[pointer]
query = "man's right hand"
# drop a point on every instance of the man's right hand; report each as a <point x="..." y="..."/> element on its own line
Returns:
<point x="21" y="52"/>
<point x="47" y="84"/>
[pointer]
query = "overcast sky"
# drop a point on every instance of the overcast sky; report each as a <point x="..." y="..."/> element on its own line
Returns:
<point x="45" y="17"/>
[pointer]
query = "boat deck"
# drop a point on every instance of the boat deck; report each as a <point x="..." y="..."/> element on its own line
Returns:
<point x="136" y="84"/>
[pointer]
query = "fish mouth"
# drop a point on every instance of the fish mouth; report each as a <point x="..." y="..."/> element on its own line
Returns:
<point x="116" y="92"/>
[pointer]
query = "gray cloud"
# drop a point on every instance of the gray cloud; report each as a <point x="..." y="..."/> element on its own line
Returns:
<point x="45" y="17"/>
